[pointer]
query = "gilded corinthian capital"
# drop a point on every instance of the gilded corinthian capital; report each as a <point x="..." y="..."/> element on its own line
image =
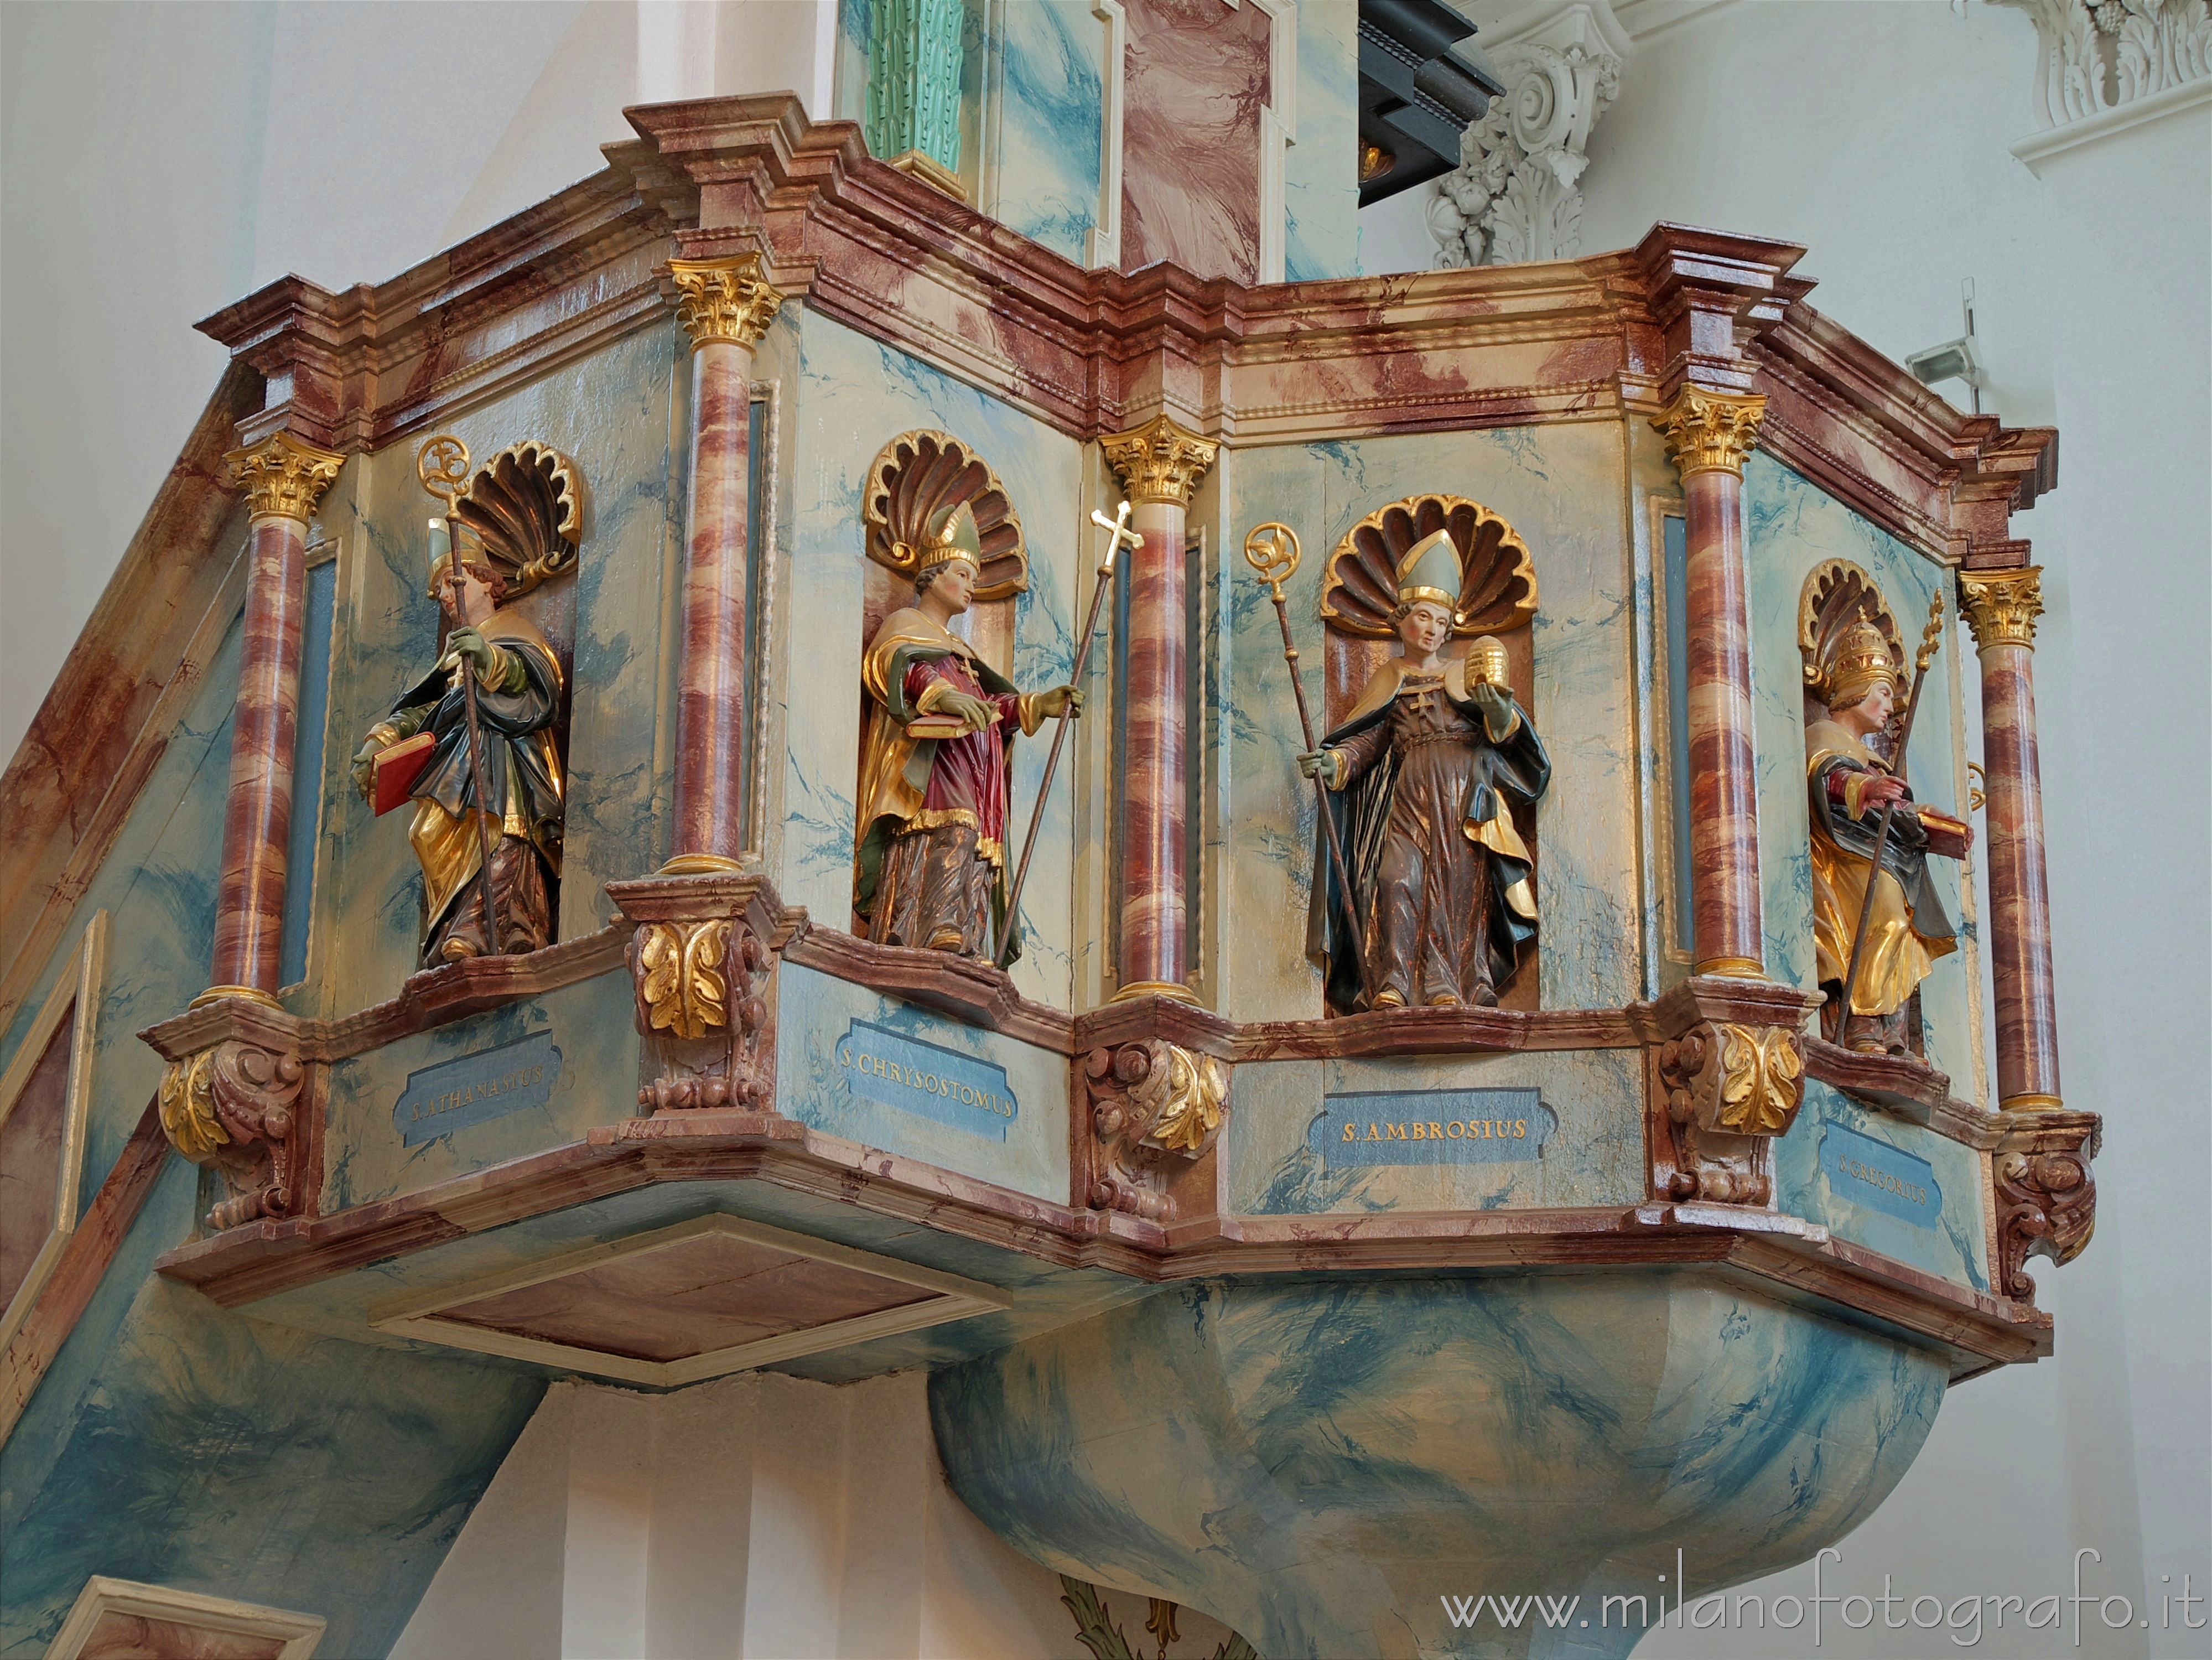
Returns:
<point x="724" y="299"/>
<point x="1711" y="431"/>
<point x="1159" y="461"/>
<point x="2001" y="607"/>
<point x="283" y="477"/>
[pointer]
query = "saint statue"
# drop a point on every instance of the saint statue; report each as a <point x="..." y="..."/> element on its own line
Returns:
<point x="929" y="863"/>
<point x="1422" y="776"/>
<point x="1849" y="783"/>
<point x="507" y="794"/>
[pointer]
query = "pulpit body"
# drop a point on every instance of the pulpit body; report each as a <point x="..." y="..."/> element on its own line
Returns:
<point x="1420" y="1141"/>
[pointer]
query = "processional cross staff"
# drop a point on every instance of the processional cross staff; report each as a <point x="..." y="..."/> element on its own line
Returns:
<point x="1272" y="549"/>
<point x="1931" y="641"/>
<point x="442" y="465"/>
<point x="1119" y="535"/>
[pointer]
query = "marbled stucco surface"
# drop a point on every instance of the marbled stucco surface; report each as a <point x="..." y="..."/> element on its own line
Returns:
<point x="1046" y="101"/>
<point x="1314" y="1464"/>
<point x="855" y="396"/>
<point x="814" y="1011"/>
<point x="1790" y="528"/>
<point x="1555" y="486"/>
<point x="614" y="415"/>
<point x="1594" y="1156"/>
<point x="178" y="1444"/>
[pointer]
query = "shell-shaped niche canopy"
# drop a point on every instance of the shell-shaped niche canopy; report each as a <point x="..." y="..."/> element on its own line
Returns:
<point x="526" y="505"/>
<point x="1497" y="582"/>
<point x="1836" y="595"/>
<point x="915" y="478"/>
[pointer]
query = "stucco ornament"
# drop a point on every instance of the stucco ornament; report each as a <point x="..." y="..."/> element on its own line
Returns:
<point x="1514" y="196"/>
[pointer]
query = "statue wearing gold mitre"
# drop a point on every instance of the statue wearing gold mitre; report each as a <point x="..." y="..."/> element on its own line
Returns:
<point x="1422" y="776"/>
<point x="929" y="864"/>
<point x="1857" y="681"/>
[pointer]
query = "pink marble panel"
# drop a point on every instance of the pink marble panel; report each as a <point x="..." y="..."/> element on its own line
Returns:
<point x="120" y="1636"/>
<point x="30" y="1161"/>
<point x="1195" y="80"/>
<point x="1723" y="785"/>
<point x="700" y="1295"/>
<point x="710" y="721"/>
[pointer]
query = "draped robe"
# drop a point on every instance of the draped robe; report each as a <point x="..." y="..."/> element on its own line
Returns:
<point x="911" y="784"/>
<point x="1423" y="810"/>
<point x="1909" y="928"/>
<point x="516" y="712"/>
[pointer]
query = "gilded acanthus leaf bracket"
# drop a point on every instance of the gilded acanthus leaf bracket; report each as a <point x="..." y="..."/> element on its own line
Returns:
<point x="232" y="1106"/>
<point x="1151" y="1103"/>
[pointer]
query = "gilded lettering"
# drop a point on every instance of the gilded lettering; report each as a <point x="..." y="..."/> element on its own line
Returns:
<point x="1436" y="1131"/>
<point x="1455" y="1130"/>
<point x="1394" y="1132"/>
<point x="1521" y="1127"/>
<point x="1372" y="1135"/>
<point x="1351" y="1132"/>
<point x="1420" y="1131"/>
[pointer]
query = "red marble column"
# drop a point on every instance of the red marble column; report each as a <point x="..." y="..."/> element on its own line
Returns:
<point x="725" y="307"/>
<point x="283" y="478"/>
<point x="2001" y="607"/>
<point x="1709" y="434"/>
<point x="1160" y="464"/>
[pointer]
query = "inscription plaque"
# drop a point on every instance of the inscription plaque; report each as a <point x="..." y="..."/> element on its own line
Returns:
<point x="468" y="1089"/>
<point x="1432" y="1126"/>
<point x="909" y="1074"/>
<point x="1880" y="1177"/>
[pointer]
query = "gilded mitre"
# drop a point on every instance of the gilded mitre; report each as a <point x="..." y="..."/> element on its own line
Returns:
<point x="953" y="536"/>
<point x="1861" y="656"/>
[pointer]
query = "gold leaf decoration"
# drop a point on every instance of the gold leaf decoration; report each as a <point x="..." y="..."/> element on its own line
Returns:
<point x="1836" y="595"/>
<point x="1193" y="1092"/>
<point x="913" y="481"/>
<point x="1762" y="1071"/>
<point x="524" y="509"/>
<point x="681" y="983"/>
<point x="1498" y="581"/>
<point x="188" y="1104"/>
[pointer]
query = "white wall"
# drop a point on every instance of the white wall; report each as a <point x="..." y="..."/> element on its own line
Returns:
<point x="755" y="1518"/>
<point x="162" y="160"/>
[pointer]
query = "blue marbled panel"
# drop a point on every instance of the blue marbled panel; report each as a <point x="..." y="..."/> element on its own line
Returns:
<point x="1543" y="481"/>
<point x="1049" y="111"/>
<point x="592" y="1023"/>
<point x="1314" y="1464"/>
<point x="158" y="885"/>
<point x="814" y="1011"/>
<point x="1955" y="1247"/>
<point x="1790" y="528"/>
<point x="1321" y="170"/>
<point x="1594" y="1157"/>
<point x="614" y="414"/>
<point x="855" y="397"/>
<point x="178" y="1444"/>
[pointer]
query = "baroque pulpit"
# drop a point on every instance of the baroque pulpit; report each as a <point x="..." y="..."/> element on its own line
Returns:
<point x="1483" y="1081"/>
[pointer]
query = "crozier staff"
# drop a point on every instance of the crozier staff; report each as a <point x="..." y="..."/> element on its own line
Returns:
<point x="1422" y="777"/>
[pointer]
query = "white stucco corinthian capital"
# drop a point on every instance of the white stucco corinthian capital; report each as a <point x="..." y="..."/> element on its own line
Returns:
<point x="1515" y="195"/>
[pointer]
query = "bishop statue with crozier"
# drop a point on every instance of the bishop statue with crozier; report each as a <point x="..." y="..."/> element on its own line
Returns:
<point x="930" y="865"/>
<point x="1422" y="778"/>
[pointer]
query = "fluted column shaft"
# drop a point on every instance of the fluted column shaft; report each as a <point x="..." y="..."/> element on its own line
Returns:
<point x="283" y="477"/>
<point x="1160" y="464"/>
<point x="2000" y="608"/>
<point x="1710" y="433"/>
<point x="725" y="308"/>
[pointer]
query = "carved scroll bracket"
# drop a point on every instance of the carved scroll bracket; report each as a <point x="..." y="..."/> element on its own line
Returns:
<point x="231" y="1100"/>
<point x="1727" y="1077"/>
<point x="1153" y="1108"/>
<point x="701" y="959"/>
<point x="2046" y="1197"/>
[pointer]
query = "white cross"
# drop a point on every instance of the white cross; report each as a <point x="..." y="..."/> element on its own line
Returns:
<point x="1123" y="536"/>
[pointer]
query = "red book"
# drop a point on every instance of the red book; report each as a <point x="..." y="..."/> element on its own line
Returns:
<point x="398" y="767"/>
